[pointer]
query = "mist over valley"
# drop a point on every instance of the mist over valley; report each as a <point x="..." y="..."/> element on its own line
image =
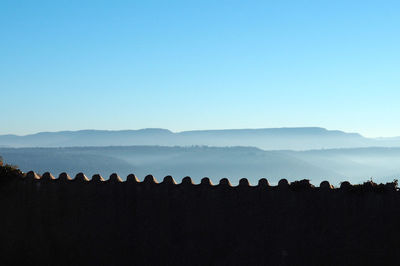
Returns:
<point x="274" y="153"/>
<point x="335" y="165"/>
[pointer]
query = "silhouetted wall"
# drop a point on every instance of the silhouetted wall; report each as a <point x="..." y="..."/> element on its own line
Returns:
<point x="61" y="221"/>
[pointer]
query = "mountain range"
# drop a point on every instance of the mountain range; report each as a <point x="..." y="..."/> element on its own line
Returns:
<point x="303" y="138"/>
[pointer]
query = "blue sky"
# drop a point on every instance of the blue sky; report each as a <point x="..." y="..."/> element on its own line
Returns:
<point x="181" y="65"/>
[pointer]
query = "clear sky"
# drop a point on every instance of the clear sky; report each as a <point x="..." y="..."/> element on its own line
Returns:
<point x="181" y="65"/>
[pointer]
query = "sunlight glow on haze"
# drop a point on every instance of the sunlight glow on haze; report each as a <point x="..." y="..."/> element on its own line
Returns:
<point x="182" y="65"/>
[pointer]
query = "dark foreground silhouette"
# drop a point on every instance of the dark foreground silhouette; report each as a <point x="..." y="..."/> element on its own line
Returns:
<point x="47" y="221"/>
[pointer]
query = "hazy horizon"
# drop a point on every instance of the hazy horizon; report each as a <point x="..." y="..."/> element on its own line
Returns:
<point x="176" y="131"/>
<point x="192" y="129"/>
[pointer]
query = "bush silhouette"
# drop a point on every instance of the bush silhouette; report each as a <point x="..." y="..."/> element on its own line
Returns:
<point x="9" y="172"/>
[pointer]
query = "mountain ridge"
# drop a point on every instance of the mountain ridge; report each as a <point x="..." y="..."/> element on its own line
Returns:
<point x="294" y="138"/>
<point x="309" y="129"/>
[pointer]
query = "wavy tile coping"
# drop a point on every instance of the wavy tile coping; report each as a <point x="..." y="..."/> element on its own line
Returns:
<point x="263" y="183"/>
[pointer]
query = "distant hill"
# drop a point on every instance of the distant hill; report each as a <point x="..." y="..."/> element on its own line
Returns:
<point x="335" y="165"/>
<point x="267" y="139"/>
